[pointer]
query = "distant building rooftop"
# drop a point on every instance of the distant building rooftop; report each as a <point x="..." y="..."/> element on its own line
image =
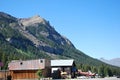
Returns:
<point x="62" y="62"/>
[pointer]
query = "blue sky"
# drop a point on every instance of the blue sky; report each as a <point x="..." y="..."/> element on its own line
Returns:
<point x="93" y="26"/>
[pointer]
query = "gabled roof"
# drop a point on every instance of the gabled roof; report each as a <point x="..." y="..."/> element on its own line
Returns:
<point x="27" y="65"/>
<point x="62" y="62"/>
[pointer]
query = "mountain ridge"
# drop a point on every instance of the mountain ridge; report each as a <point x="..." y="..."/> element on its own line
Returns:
<point x="114" y="61"/>
<point x="34" y="37"/>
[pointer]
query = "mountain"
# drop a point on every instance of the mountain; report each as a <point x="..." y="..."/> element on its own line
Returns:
<point x="115" y="61"/>
<point x="34" y="37"/>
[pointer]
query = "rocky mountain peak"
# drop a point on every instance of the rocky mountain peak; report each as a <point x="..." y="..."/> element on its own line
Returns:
<point x="32" y="20"/>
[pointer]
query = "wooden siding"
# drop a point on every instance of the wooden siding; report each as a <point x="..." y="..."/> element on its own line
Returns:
<point x="28" y="74"/>
<point x="4" y="74"/>
<point x="31" y="74"/>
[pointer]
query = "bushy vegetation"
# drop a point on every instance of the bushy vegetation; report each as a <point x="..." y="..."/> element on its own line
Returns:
<point x="39" y="74"/>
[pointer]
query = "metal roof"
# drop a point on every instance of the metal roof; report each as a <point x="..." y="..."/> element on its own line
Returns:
<point x="62" y="62"/>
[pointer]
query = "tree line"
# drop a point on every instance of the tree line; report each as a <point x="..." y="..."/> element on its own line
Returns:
<point x="103" y="70"/>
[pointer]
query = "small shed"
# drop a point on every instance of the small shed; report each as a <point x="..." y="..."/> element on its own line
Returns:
<point x="27" y="69"/>
<point x="66" y="67"/>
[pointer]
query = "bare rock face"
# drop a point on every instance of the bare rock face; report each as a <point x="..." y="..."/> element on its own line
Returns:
<point x="32" y="20"/>
<point x="48" y="31"/>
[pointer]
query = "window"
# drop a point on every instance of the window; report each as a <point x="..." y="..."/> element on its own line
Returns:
<point x="41" y="61"/>
<point x="21" y="63"/>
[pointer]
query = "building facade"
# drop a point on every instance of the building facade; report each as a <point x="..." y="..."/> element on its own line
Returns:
<point x="27" y="69"/>
<point x="56" y="69"/>
<point x="67" y="68"/>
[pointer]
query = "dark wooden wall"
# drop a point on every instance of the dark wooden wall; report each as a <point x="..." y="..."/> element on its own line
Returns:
<point x="28" y="74"/>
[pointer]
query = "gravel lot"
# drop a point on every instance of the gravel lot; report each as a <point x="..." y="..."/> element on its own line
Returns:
<point x="108" y="78"/>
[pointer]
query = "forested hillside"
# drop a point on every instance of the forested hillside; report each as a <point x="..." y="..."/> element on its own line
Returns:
<point x="33" y="38"/>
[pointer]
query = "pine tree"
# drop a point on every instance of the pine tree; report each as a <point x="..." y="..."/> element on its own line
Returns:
<point x="101" y="71"/>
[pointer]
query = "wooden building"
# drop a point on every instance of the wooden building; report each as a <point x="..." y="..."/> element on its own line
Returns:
<point x="67" y="68"/>
<point x="27" y="69"/>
